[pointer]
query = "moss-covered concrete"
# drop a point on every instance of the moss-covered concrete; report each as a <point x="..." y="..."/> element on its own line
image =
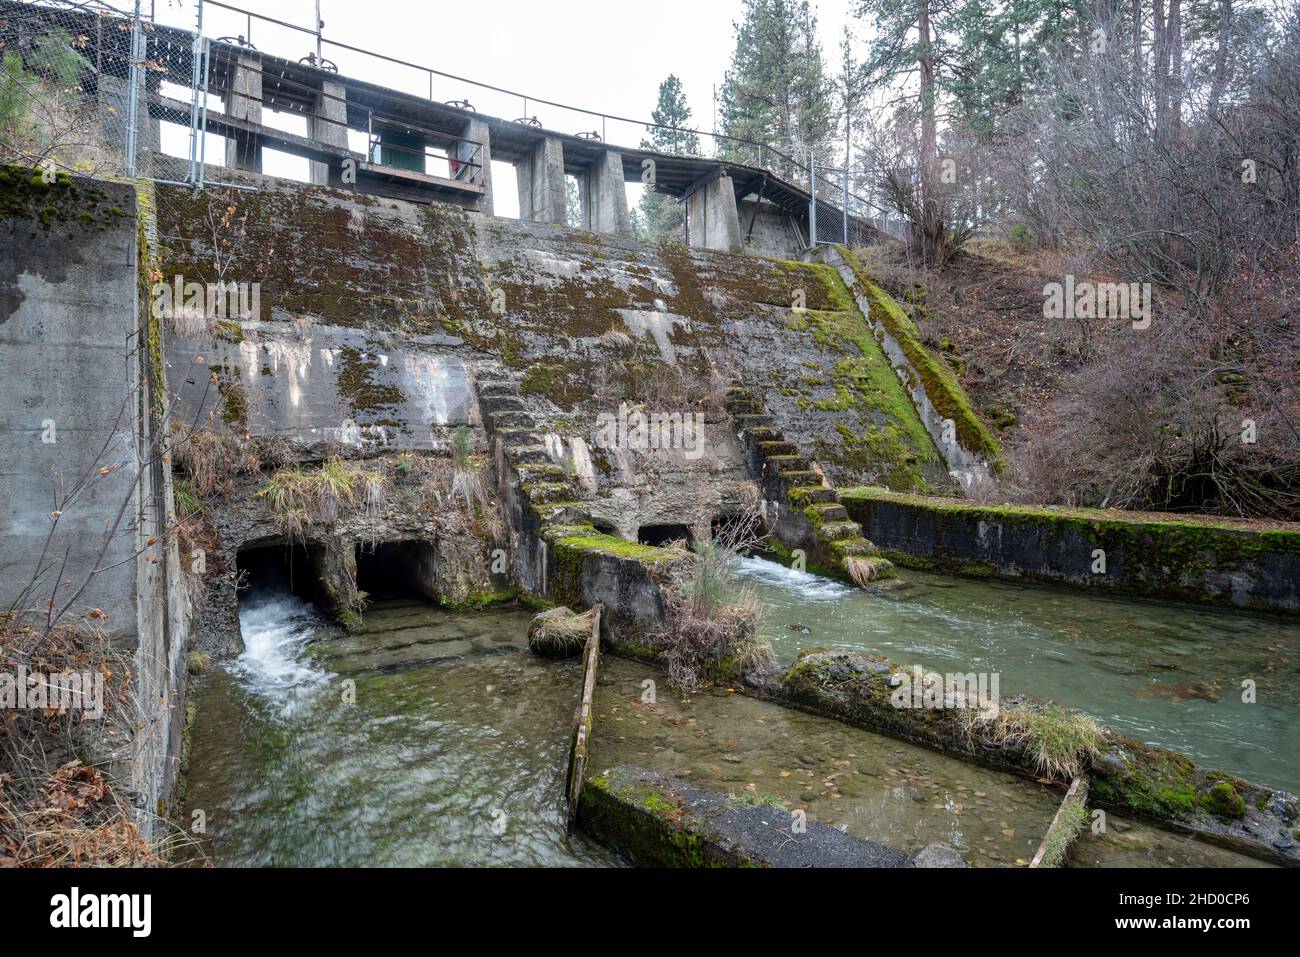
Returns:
<point x="1191" y="558"/>
<point x="662" y="822"/>
<point x="1127" y="775"/>
<point x="941" y="386"/>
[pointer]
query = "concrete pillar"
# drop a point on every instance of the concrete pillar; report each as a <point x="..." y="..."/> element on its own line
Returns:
<point x="328" y="124"/>
<point x="713" y="220"/>
<point x="477" y="132"/>
<point x="604" y="197"/>
<point x="244" y="102"/>
<point x="541" y="184"/>
<point x="114" y="102"/>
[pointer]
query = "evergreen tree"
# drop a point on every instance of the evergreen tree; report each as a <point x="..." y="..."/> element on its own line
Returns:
<point x="776" y="91"/>
<point x="658" y="217"/>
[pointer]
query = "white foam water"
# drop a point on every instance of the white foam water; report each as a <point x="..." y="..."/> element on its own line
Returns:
<point x="804" y="584"/>
<point x="276" y="630"/>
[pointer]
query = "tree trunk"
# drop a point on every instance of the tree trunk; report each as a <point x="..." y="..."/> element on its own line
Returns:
<point x="931" y="225"/>
<point x="1160" y="69"/>
<point x="1175" y="68"/>
<point x="1221" y="57"/>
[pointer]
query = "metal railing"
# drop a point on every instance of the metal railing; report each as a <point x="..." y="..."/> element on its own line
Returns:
<point x="135" y="59"/>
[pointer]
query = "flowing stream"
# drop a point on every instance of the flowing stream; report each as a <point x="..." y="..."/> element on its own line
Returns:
<point x="1164" y="673"/>
<point x="453" y="752"/>
<point x="436" y="738"/>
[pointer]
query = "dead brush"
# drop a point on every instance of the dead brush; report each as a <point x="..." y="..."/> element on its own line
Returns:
<point x="55" y="809"/>
<point x="468" y="479"/>
<point x="211" y="458"/>
<point x="864" y="569"/>
<point x="374" y="493"/>
<point x="713" y="623"/>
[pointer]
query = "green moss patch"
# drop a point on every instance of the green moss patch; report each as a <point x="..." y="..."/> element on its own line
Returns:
<point x="941" y="386"/>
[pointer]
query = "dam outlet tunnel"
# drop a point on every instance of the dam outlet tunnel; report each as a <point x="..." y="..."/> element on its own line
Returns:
<point x="398" y="570"/>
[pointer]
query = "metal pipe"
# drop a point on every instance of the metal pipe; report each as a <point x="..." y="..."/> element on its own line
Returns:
<point x="846" y="201"/>
<point x="203" y="138"/>
<point x="133" y="93"/>
<point x="194" y="93"/>
<point x="812" y="206"/>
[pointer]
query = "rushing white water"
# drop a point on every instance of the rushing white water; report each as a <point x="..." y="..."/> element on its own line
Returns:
<point x="804" y="584"/>
<point x="276" y="629"/>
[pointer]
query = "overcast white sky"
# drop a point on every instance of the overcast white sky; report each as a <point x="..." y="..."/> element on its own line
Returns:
<point x="596" y="54"/>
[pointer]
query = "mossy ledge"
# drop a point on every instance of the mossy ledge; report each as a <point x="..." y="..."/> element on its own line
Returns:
<point x="666" y="822"/>
<point x="1127" y="775"/>
<point x="1195" y="558"/>
<point x="941" y="387"/>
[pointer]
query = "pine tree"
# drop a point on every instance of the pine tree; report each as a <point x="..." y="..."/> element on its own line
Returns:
<point x="658" y="218"/>
<point x="777" y="91"/>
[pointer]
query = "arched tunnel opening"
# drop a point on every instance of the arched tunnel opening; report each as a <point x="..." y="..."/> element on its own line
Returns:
<point x="277" y="568"/>
<point x="659" y="535"/>
<point x="726" y="527"/>
<point x="397" y="570"/>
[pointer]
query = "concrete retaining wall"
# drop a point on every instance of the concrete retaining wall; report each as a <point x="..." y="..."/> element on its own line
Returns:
<point x="1186" y="558"/>
<point x="81" y="397"/>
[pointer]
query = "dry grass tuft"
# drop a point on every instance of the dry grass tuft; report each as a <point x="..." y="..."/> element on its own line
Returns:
<point x="1061" y="742"/>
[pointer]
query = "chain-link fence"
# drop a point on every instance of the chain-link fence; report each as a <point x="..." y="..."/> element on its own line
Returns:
<point x="87" y="87"/>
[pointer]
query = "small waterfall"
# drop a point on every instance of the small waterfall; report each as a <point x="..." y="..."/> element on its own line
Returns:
<point x="803" y="584"/>
<point x="277" y="628"/>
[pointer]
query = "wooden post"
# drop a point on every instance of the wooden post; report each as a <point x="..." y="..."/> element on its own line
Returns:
<point x="582" y="718"/>
<point x="1078" y="794"/>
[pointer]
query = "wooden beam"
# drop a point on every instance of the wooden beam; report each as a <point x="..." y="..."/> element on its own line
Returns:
<point x="1065" y="825"/>
<point x="582" y="719"/>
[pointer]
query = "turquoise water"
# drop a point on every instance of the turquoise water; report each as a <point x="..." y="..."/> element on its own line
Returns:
<point x="1167" y="674"/>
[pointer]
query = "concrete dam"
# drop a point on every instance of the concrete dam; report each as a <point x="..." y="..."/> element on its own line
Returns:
<point x="640" y="553"/>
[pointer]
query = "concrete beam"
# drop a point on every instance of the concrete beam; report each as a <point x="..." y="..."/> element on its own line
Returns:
<point x="712" y="218"/>
<point x="541" y="184"/>
<point x="604" y="197"/>
<point x="329" y="125"/>
<point x="244" y="102"/>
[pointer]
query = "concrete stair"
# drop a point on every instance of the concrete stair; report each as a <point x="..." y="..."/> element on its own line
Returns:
<point x="841" y="545"/>
<point x="545" y="485"/>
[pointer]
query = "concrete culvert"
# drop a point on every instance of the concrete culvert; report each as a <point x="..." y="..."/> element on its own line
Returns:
<point x="282" y="567"/>
<point x="659" y="535"/>
<point x="393" y="570"/>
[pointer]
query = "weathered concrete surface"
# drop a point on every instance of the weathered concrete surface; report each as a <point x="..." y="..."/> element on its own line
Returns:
<point x="602" y="196"/>
<point x="666" y="823"/>
<point x="711" y="215"/>
<point x="245" y="103"/>
<point x="79" y="399"/>
<point x="326" y="383"/>
<point x="1186" y="557"/>
<point x="540" y="181"/>
<point x="968" y="448"/>
<point x="585" y="323"/>
<point x="328" y="124"/>
<point x="768" y="230"/>
<point x="1128" y="775"/>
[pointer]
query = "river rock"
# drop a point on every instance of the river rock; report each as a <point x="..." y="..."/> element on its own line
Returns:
<point x="938" y="855"/>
